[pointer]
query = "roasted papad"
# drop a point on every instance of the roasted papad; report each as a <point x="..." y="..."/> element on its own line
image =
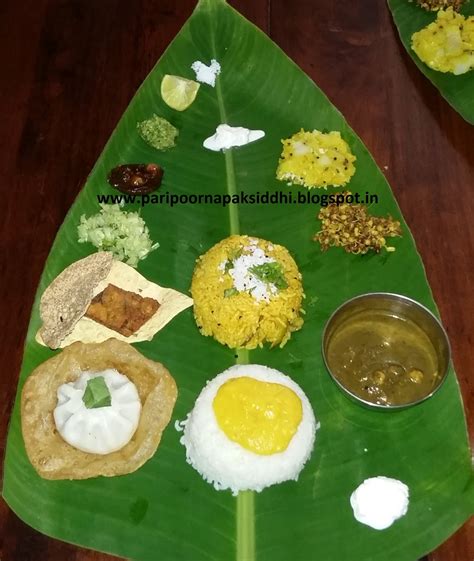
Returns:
<point x="67" y="298"/>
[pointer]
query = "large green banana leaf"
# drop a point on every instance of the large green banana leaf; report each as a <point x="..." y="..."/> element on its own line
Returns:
<point x="165" y="510"/>
<point x="457" y="90"/>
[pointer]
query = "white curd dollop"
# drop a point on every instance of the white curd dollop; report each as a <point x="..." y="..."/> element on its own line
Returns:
<point x="379" y="501"/>
<point x="104" y="429"/>
<point x="228" y="137"/>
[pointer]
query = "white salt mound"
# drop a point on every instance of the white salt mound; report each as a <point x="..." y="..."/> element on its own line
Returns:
<point x="206" y="74"/>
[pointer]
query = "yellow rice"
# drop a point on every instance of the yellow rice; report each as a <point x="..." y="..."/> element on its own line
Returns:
<point x="240" y="321"/>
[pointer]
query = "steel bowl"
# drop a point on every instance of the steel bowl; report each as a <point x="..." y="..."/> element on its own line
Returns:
<point x="401" y="307"/>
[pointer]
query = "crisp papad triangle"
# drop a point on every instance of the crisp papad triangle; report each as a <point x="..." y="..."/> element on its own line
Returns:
<point x="67" y="298"/>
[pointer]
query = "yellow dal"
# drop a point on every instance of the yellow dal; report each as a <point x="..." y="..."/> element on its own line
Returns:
<point x="262" y="417"/>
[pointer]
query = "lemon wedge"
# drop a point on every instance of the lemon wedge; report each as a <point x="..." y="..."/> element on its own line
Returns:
<point x="178" y="93"/>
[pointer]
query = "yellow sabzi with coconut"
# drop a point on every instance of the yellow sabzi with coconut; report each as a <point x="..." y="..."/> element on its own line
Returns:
<point x="447" y="44"/>
<point x="315" y="159"/>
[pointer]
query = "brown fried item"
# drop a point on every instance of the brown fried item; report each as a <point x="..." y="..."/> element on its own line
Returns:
<point x="66" y="299"/>
<point x="434" y="5"/>
<point x="351" y="226"/>
<point x="54" y="458"/>
<point x="121" y="310"/>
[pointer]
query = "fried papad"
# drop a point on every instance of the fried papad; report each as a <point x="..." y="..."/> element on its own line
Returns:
<point x="171" y="303"/>
<point x="54" y="458"/>
<point x="66" y="299"/>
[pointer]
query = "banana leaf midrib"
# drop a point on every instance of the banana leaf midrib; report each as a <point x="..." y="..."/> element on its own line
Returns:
<point x="245" y="511"/>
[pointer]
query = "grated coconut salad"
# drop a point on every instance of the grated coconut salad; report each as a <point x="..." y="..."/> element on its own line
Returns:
<point x="123" y="233"/>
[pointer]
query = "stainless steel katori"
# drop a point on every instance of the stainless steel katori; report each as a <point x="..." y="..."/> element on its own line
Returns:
<point x="399" y="306"/>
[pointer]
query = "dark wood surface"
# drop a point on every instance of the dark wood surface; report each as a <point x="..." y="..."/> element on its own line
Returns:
<point x="69" y="69"/>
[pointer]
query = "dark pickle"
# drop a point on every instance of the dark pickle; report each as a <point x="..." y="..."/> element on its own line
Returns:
<point x="136" y="179"/>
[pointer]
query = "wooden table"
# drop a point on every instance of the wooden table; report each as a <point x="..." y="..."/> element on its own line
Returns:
<point x="69" y="69"/>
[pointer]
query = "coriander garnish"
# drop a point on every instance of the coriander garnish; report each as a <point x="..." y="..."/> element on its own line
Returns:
<point x="228" y="292"/>
<point x="271" y="273"/>
<point x="233" y="256"/>
<point x="97" y="393"/>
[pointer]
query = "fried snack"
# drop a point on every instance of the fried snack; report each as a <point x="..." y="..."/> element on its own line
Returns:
<point x="51" y="456"/>
<point x="350" y="226"/>
<point x="434" y="5"/>
<point x="66" y="299"/>
<point x="121" y="310"/>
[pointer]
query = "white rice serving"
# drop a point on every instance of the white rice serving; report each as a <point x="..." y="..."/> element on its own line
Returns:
<point x="227" y="465"/>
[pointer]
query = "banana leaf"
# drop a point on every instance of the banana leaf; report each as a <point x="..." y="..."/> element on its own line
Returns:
<point x="165" y="510"/>
<point x="457" y="90"/>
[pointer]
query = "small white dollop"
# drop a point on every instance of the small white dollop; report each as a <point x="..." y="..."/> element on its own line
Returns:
<point x="206" y="74"/>
<point x="104" y="429"/>
<point x="228" y="137"/>
<point x="379" y="501"/>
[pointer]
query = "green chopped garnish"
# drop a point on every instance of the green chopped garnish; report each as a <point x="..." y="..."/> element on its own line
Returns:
<point x="97" y="393"/>
<point x="228" y="292"/>
<point x="233" y="255"/>
<point x="158" y="132"/>
<point x="271" y="273"/>
<point x="236" y="253"/>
